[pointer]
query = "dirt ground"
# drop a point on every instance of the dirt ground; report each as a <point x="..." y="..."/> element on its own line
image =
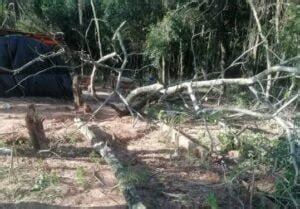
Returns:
<point x="73" y="175"/>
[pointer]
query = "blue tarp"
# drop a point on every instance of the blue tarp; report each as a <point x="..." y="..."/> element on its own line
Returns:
<point x="17" y="50"/>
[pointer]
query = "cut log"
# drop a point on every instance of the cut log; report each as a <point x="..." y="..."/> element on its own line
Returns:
<point x="35" y="128"/>
<point x="100" y="146"/>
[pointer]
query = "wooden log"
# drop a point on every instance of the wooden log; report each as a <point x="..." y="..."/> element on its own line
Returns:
<point x="100" y="146"/>
<point x="35" y="128"/>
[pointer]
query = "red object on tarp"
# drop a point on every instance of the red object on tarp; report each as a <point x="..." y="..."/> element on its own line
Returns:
<point x="46" y="39"/>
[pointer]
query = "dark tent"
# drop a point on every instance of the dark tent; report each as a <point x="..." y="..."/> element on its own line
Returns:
<point x="42" y="78"/>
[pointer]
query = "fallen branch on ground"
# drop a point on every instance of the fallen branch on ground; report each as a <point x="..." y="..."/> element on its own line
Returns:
<point x="159" y="88"/>
<point x="287" y="126"/>
<point x="140" y="96"/>
<point x="106" y="152"/>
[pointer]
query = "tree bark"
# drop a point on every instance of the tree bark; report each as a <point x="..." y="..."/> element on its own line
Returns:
<point x="100" y="145"/>
<point x="76" y="92"/>
<point x="138" y="97"/>
<point x="35" y="128"/>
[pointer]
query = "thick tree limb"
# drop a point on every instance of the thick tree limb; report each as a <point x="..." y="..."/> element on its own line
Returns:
<point x="200" y="84"/>
<point x="97" y="28"/>
<point x="106" y="152"/>
<point x="266" y="46"/>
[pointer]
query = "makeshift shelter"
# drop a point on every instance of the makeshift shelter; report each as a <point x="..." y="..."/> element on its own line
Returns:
<point x="43" y="78"/>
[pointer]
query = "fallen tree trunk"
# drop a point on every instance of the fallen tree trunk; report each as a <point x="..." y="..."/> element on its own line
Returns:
<point x="106" y="152"/>
<point x="157" y="89"/>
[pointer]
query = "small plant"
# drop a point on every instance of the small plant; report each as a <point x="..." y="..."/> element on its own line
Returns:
<point x="45" y="180"/>
<point x="213" y="117"/>
<point x="172" y="118"/>
<point x="136" y="176"/>
<point x="96" y="158"/>
<point x="152" y="111"/>
<point x="80" y="176"/>
<point x="2" y="143"/>
<point x="211" y="201"/>
<point x="227" y="141"/>
<point x="241" y="99"/>
<point x="72" y="138"/>
<point x="255" y="145"/>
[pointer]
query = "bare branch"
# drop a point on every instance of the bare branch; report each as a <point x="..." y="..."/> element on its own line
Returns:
<point x="97" y="28"/>
<point x="40" y="58"/>
<point x="209" y="83"/>
<point x="265" y="43"/>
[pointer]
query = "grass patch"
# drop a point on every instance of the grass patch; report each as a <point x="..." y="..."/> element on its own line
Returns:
<point x="96" y="158"/>
<point x="45" y="180"/>
<point x="80" y="176"/>
<point x="136" y="177"/>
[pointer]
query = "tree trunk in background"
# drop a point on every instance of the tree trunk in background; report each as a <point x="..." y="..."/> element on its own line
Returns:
<point x="181" y="62"/>
<point x="76" y="92"/>
<point x="80" y="18"/>
<point x="163" y="70"/>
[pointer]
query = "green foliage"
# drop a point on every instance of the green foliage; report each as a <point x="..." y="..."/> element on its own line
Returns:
<point x="241" y="99"/>
<point x="211" y="201"/>
<point x="280" y="158"/>
<point x="227" y="141"/>
<point x="135" y="176"/>
<point x="255" y="146"/>
<point x="152" y="111"/>
<point x="72" y="138"/>
<point x="45" y="180"/>
<point x="173" y="117"/>
<point x="213" y="117"/>
<point x="158" y="41"/>
<point x="80" y="176"/>
<point x="289" y="34"/>
<point x="258" y="152"/>
<point x="139" y="14"/>
<point x="96" y="158"/>
<point x="2" y="143"/>
<point x="163" y="38"/>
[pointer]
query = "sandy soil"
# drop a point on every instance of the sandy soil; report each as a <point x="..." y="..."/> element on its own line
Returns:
<point x="75" y="176"/>
<point x="75" y="160"/>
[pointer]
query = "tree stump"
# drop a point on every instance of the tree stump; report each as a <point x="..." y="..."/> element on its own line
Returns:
<point x="35" y="128"/>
